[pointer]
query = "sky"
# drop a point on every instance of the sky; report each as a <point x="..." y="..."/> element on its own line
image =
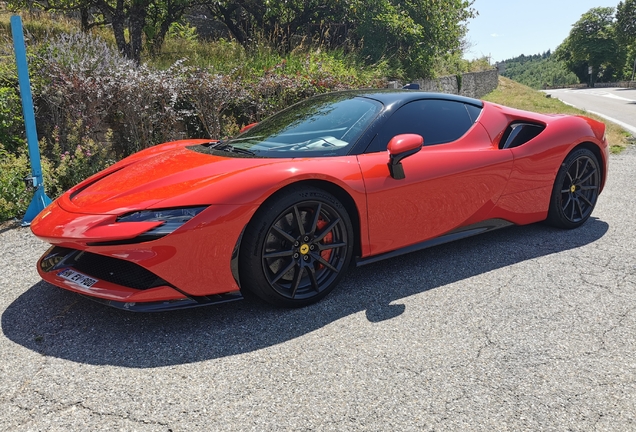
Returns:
<point x="508" y="28"/>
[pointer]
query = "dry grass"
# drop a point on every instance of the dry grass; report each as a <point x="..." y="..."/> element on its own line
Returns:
<point x="38" y="25"/>
<point x="513" y="94"/>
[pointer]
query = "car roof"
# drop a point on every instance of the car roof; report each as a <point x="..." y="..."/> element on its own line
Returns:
<point x="392" y="96"/>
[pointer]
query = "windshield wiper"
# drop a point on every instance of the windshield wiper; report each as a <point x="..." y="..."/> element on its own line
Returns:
<point x="239" y="150"/>
<point x="225" y="146"/>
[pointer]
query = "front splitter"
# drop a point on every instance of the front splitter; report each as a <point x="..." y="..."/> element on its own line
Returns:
<point x="169" y="305"/>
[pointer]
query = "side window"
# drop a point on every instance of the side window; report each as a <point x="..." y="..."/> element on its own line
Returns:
<point x="438" y="121"/>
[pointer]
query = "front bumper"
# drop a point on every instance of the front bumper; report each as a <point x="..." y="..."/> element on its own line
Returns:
<point x="194" y="261"/>
<point x="118" y="283"/>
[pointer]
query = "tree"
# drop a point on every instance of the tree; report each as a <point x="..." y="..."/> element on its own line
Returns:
<point x="538" y="71"/>
<point x="411" y="34"/>
<point x="592" y="43"/>
<point x="131" y="20"/>
<point x="626" y="33"/>
<point x="408" y="34"/>
<point x="278" y="20"/>
<point x="564" y="54"/>
<point x="626" y="21"/>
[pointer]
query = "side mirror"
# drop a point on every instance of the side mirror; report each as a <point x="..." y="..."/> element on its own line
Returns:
<point x="247" y="127"/>
<point x="400" y="147"/>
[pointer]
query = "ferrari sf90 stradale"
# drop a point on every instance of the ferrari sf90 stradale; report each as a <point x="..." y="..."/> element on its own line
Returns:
<point x="283" y="209"/>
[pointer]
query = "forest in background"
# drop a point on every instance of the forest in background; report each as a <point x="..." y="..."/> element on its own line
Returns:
<point x="538" y="71"/>
<point x="603" y="40"/>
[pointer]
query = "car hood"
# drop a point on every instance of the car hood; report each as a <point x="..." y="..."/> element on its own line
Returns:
<point x="146" y="182"/>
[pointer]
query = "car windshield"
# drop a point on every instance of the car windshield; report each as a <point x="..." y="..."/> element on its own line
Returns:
<point x="326" y="125"/>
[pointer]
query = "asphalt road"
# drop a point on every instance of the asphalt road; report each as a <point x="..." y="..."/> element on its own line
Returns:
<point x="615" y="104"/>
<point x="526" y="328"/>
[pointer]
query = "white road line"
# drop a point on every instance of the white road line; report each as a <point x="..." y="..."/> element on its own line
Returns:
<point x="613" y="96"/>
<point x="601" y="93"/>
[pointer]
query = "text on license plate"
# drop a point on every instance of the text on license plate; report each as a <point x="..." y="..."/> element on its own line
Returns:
<point x="78" y="278"/>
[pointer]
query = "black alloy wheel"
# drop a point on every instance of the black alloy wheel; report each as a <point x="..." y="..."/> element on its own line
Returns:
<point x="576" y="190"/>
<point x="297" y="249"/>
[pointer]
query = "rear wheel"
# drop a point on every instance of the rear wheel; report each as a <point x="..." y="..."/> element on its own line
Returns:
<point x="575" y="191"/>
<point x="296" y="248"/>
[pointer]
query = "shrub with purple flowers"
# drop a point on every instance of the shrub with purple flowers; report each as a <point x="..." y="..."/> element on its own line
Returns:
<point x="95" y="106"/>
<point x="90" y="82"/>
<point x="82" y="158"/>
<point x="215" y="100"/>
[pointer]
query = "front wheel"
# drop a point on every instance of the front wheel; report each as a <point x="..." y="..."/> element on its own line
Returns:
<point x="296" y="248"/>
<point x="575" y="191"/>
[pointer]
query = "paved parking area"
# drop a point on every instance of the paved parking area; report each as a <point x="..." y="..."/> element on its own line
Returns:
<point x="526" y="328"/>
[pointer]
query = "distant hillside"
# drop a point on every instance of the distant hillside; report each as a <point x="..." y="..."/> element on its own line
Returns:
<point x="538" y="71"/>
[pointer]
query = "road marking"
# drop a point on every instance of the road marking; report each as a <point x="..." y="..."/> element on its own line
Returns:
<point x="613" y="96"/>
<point x="601" y="93"/>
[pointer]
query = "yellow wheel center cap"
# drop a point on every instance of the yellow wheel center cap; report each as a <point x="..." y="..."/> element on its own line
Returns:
<point x="304" y="249"/>
<point x="573" y="188"/>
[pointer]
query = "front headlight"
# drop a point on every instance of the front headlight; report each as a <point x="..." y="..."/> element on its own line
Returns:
<point x="171" y="218"/>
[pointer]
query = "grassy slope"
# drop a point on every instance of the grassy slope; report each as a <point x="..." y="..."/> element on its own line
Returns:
<point x="513" y="94"/>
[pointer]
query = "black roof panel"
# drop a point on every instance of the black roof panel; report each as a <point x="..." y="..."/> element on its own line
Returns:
<point x="391" y="96"/>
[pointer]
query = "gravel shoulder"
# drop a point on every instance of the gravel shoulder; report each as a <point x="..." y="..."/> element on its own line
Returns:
<point x="525" y="328"/>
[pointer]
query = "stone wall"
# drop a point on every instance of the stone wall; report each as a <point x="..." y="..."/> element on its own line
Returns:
<point x="446" y="84"/>
<point x="474" y="84"/>
<point x="479" y="84"/>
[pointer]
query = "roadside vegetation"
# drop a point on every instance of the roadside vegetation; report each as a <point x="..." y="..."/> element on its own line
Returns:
<point x="539" y="71"/>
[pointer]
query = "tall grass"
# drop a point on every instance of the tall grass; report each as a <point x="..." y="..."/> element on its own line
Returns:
<point x="229" y="57"/>
<point x="40" y="26"/>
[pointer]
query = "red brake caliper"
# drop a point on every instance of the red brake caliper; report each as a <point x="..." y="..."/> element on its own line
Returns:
<point x="326" y="254"/>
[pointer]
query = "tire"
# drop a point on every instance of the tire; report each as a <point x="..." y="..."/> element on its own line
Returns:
<point x="296" y="248"/>
<point x="575" y="190"/>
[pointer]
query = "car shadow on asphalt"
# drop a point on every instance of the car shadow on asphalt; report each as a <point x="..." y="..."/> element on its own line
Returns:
<point x="61" y="324"/>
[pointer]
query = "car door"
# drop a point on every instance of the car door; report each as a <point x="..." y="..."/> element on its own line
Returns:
<point x="455" y="180"/>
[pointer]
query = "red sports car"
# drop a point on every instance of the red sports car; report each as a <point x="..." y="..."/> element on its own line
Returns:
<point x="283" y="209"/>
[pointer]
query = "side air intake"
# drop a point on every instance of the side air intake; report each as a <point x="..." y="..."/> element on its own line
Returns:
<point x="519" y="133"/>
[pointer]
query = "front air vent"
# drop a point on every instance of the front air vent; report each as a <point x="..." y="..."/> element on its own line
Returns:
<point x="519" y="133"/>
<point x="117" y="271"/>
<point x="109" y="269"/>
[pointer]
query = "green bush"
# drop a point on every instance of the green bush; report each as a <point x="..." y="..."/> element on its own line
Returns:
<point x="14" y="196"/>
<point x="11" y="123"/>
<point x="61" y="169"/>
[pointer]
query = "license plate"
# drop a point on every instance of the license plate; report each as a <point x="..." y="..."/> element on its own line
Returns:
<point x="78" y="278"/>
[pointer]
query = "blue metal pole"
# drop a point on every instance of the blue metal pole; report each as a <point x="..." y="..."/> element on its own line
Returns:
<point x="40" y="200"/>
